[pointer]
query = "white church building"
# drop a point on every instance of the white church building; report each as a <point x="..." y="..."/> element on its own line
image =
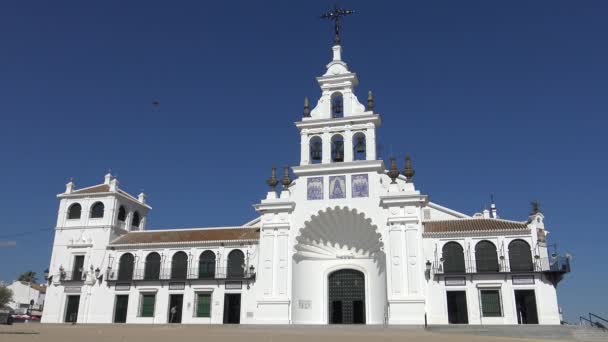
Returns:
<point x="346" y="240"/>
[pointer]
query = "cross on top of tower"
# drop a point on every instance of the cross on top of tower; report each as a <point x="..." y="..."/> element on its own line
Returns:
<point x="335" y="14"/>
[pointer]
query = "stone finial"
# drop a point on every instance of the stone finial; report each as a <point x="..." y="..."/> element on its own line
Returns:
<point x="107" y="178"/>
<point x="408" y="172"/>
<point x="370" y="101"/>
<point x="272" y="181"/>
<point x="141" y="197"/>
<point x="114" y="184"/>
<point x="393" y="172"/>
<point x="535" y="207"/>
<point x="286" y="181"/>
<point x="306" y="113"/>
<point x="69" y="187"/>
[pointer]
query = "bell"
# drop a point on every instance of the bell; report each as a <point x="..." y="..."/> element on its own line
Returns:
<point x="360" y="147"/>
<point x="337" y="107"/>
<point x="338" y="151"/>
<point x="315" y="153"/>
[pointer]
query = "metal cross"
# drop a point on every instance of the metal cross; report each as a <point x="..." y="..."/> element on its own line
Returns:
<point x="335" y="15"/>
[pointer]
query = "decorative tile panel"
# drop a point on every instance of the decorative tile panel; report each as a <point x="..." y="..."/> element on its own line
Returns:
<point x="360" y="186"/>
<point x="337" y="187"/>
<point x="314" y="188"/>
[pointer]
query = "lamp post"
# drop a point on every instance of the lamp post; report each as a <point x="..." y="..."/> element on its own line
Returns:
<point x="427" y="271"/>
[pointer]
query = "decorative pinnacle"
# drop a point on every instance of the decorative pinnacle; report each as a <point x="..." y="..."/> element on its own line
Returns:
<point x="286" y="181"/>
<point x="272" y="181"/>
<point x="306" y="108"/>
<point x="335" y="15"/>
<point x="535" y="207"/>
<point x="408" y="172"/>
<point x="370" y="101"/>
<point x="393" y="172"/>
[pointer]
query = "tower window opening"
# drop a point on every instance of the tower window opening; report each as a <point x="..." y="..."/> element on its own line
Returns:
<point x="337" y="105"/>
<point x="136" y="220"/>
<point x="337" y="148"/>
<point x="74" y="211"/>
<point x="122" y="214"/>
<point x="97" y="210"/>
<point x="316" y="150"/>
<point x="359" y="147"/>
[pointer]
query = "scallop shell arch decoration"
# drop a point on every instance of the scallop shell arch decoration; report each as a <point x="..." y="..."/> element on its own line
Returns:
<point x="340" y="233"/>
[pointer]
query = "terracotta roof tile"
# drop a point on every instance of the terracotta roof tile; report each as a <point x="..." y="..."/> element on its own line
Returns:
<point x="471" y="225"/>
<point x="93" y="189"/>
<point x="192" y="235"/>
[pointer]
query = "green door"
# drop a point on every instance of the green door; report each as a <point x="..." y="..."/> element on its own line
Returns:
<point x="120" y="309"/>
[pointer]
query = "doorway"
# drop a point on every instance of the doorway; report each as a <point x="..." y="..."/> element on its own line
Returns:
<point x="175" y="308"/>
<point x="346" y="299"/>
<point x="71" y="310"/>
<point x="457" y="307"/>
<point x="525" y="305"/>
<point x="232" y="308"/>
<point x="120" y="308"/>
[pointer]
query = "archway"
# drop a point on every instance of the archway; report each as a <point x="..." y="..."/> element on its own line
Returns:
<point x="346" y="297"/>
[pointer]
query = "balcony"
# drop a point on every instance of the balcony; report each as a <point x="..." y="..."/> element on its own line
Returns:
<point x="552" y="266"/>
<point x="220" y="273"/>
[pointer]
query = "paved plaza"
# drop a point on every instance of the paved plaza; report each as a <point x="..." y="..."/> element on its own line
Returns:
<point x="175" y="333"/>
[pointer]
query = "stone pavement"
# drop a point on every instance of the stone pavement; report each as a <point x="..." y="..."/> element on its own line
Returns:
<point x="249" y="333"/>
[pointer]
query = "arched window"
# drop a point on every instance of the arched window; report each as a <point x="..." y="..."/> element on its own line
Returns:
<point x="316" y="150"/>
<point x="122" y="214"/>
<point x="337" y="105"/>
<point x="236" y="264"/>
<point x="125" y="267"/>
<point x="74" y="211"/>
<point x="136" y="220"/>
<point x="520" y="256"/>
<point x="337" y="148"/>
<point x="152" y="268"/>
<point x="453" y="258"/>
<point x="486" y="259"/>
<point x="179" y="265"/>
<point x="359" y="146"/>
<point x="206" y="265"/>
<point x="97" y="210"/>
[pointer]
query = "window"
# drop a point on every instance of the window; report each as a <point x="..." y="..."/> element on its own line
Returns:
<point x="136" y="220"/>
<point x="337" y="105"/>
<point x="146" y="308"/>
<point x="152" y="268"/>
<point x="74" y="211"/>
<point x="316" y="150"/>
<point x="179" y="265"/>
<point x="125" y="267"/>
<point x="97" y="210"/>
<point x="486" y="259"/>
<point x="236" y="264"/>
<point x="206" y="265"/>
<point x="453" y="258"/>
<point x="337" y="148"/>
<point x="359" y="147"/>
<point x="203" y="305"/>
<point x="520" y="256"/>
<point x="490" y="303"/>
<point x="122" y="214"/>
<point x="78" y="267"/>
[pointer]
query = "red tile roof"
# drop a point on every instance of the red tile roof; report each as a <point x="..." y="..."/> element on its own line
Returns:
<point x="471" y="225"/>
<point x="184" y="236"/>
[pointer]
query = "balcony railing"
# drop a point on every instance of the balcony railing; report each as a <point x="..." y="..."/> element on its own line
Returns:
<point x="71" y="276"/>
<point x="557" y="265"/>
<point x="219" y="273"/>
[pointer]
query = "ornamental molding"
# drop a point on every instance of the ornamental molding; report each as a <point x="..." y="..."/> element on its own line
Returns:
<point x="344" y="167"/>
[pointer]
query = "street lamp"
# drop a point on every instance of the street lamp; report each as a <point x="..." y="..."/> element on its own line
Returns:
<point x="427" y="271"/>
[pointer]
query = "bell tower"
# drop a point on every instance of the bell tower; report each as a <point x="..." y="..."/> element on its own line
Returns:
<point x="339" y="129"/>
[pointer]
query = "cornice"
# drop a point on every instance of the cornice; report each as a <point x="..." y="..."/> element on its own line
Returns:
<point x="345" y="167"/>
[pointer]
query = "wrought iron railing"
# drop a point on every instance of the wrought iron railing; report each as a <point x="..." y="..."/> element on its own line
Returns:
<point x="193" y="273"/>
<point x="557" y="264"/>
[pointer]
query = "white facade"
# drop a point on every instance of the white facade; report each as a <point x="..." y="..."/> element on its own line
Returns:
<point x="345" y="242"/>
<point x="26" y="297"/>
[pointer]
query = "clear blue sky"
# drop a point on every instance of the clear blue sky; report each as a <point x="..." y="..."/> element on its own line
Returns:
<point x="488" y="97"/>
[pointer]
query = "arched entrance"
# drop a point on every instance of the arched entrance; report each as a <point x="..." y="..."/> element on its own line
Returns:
<point x="346" y="297"/>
